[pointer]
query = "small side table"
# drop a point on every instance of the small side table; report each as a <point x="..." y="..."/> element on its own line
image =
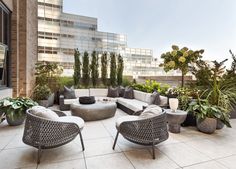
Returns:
<point x="175" y="119"/>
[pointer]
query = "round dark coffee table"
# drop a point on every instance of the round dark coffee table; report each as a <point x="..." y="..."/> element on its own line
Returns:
<point x="175" y="119"/>
<point x="87" y="99"/>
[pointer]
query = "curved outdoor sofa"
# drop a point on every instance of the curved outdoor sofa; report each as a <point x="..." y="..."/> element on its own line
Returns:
<point x="141" y="99"/>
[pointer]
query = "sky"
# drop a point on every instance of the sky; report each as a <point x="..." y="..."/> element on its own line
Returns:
<point x="158" y="24"/>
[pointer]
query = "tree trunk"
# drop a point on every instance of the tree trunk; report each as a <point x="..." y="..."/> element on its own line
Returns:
<point x="182" y="82"/>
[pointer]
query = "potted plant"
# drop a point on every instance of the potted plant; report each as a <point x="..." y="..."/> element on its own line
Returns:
<point x="15" y="109"/>
<point x="43" y="95"/>
<point x="207" y="115"/>
<point x="47" y="82"/>
<point x="221" y="92"/>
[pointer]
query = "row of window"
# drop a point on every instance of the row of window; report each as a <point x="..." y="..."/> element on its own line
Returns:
<point x="67" y="23"/>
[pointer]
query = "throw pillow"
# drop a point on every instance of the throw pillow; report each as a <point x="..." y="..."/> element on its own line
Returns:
<point x="156" y="98"/>
<point x="150" y="111"/>
<point x="113" y="92"/>
<point x="69" y="93"/>
<point x="121" y="91"/>
<point x="43" y="112"/>
<point x="129" y="93"/>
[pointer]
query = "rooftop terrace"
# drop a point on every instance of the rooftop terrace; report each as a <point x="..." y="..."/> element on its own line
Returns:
<point x="189" y="149"/>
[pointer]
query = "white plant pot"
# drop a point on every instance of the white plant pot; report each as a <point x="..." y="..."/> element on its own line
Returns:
<point x="174" y="103"/>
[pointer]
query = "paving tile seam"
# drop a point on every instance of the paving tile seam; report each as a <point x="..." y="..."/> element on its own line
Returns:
<point x="128" y="159"/>
<point x="212" y="160"/>
<point x="199" y="151"/>
<point x="8" y="142"/>
<point x="224" y="157"/>
<point x="169" y="157"/>
<point x="112" y="137"/>
<point x="103" y="154"/>
<point x="56" y="162"/>
<point x="206" y="154"/>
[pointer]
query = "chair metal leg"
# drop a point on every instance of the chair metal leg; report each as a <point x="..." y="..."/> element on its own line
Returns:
<point x="153" y="151"/>
<point x="39" y="154"/>
<point x="117" y="134"/>
<point x="81" y="140"/>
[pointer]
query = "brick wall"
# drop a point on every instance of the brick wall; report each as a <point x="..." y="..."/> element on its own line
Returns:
<point x="24" y="46"/>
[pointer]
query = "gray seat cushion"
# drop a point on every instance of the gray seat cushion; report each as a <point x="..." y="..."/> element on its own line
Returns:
<point x="72" y="119"/>
<point x="132" y="104"/>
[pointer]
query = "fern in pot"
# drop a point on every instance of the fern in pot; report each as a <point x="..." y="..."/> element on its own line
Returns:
<point x="14" y="109"/>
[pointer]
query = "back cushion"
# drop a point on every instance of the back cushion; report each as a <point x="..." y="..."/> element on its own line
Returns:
<point x="121" y="91"/>
<point x="43" y="112"/>
<point x="69" y="93"/>
<point x="150" y="111"/>
<point x="113" y="92"/>
<point x="98" y="92"/>
<point x="129" y="93"/>
<point x="81" y="92"/>
<point x="141" y="96"/>
<point x="164" y="100"/>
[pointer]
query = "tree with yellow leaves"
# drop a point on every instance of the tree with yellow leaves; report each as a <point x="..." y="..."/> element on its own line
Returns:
<point x="180" y="59"/>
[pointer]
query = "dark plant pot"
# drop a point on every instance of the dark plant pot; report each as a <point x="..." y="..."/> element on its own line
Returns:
<point x="207" y="125"/>
<point x="219" y="124"/>
<point x="16" y="121"/>
<point x="189" y="121"/>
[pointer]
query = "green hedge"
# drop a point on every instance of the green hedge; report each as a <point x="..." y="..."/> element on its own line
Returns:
<point x="151" y="85"/>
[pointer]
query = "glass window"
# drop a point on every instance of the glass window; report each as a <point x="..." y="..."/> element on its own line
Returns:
<point x="4" y="45"/>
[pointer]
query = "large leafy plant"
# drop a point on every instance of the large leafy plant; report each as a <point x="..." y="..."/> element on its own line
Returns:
<point x="16" y="107"/>
<point x="180" y="59"/>
<point x="202" y="109"/>
<point x="221" y="91"/>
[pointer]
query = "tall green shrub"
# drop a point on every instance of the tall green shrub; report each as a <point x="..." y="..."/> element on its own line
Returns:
<point x="47" y="73"/>
<point x="120" y="68"/>
<point x="77" y="74"/>
<point x="85" y="69"/>
<point x="104" y="62"/>
<point x="94" y="68"/>
<point x="113" y="72"/>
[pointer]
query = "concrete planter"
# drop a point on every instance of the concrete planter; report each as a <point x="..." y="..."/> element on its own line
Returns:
<point x="207" y="125"/>
<point x="16" y="121"/>
<point x="47" y="103"/>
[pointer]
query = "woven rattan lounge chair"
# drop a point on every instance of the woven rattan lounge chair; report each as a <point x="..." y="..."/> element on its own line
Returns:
<point x="42" y="133"/>
<point x="148" y="131"/>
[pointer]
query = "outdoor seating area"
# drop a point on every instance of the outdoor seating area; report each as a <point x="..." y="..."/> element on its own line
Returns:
<point x="189" y="149"/>
<point x="117" y="84"/>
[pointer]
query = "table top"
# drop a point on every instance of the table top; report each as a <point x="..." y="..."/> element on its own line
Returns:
<point x="178" y="112"/>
